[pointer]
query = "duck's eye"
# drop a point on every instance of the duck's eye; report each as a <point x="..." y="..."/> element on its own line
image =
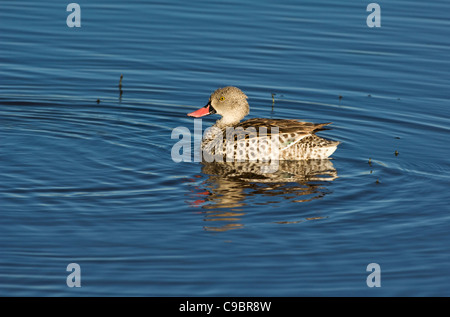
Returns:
<point x="222" y="98"/>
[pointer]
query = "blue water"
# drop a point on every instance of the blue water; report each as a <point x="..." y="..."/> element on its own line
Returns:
<point x="86" y="174"/>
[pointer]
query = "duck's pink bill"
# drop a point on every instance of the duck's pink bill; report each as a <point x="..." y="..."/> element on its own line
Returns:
<point x="204" y="111"/>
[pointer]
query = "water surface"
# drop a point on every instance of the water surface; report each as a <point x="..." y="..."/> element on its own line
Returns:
<point x="87" y="176"/>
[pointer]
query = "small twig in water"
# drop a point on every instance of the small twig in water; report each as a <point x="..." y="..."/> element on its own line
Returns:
<point x="273" y="100"/>
<point x="120" y="86"/>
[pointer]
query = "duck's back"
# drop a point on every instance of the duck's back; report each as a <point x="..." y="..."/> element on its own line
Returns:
<point x="297" y="138"/>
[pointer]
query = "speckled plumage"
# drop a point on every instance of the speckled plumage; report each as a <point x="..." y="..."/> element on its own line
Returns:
<point x="259" y="139"/>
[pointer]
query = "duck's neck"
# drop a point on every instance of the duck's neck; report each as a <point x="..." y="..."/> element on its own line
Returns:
<point x="226" y="122"/>
<point x="218" y="128"/>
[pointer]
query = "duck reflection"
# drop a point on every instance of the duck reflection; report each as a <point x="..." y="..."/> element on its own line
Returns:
<point x="231" y="185"/>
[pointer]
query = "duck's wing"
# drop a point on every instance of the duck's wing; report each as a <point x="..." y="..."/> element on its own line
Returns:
<point x="290" y="131"/>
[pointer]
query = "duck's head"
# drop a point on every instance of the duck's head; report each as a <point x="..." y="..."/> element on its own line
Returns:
<point x="229" y="102"/>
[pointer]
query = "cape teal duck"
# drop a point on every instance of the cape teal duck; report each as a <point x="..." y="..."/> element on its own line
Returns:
<point x="297" y="140"/>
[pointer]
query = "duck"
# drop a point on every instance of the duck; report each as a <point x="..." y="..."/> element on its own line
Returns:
<point x="296" y="139"/>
